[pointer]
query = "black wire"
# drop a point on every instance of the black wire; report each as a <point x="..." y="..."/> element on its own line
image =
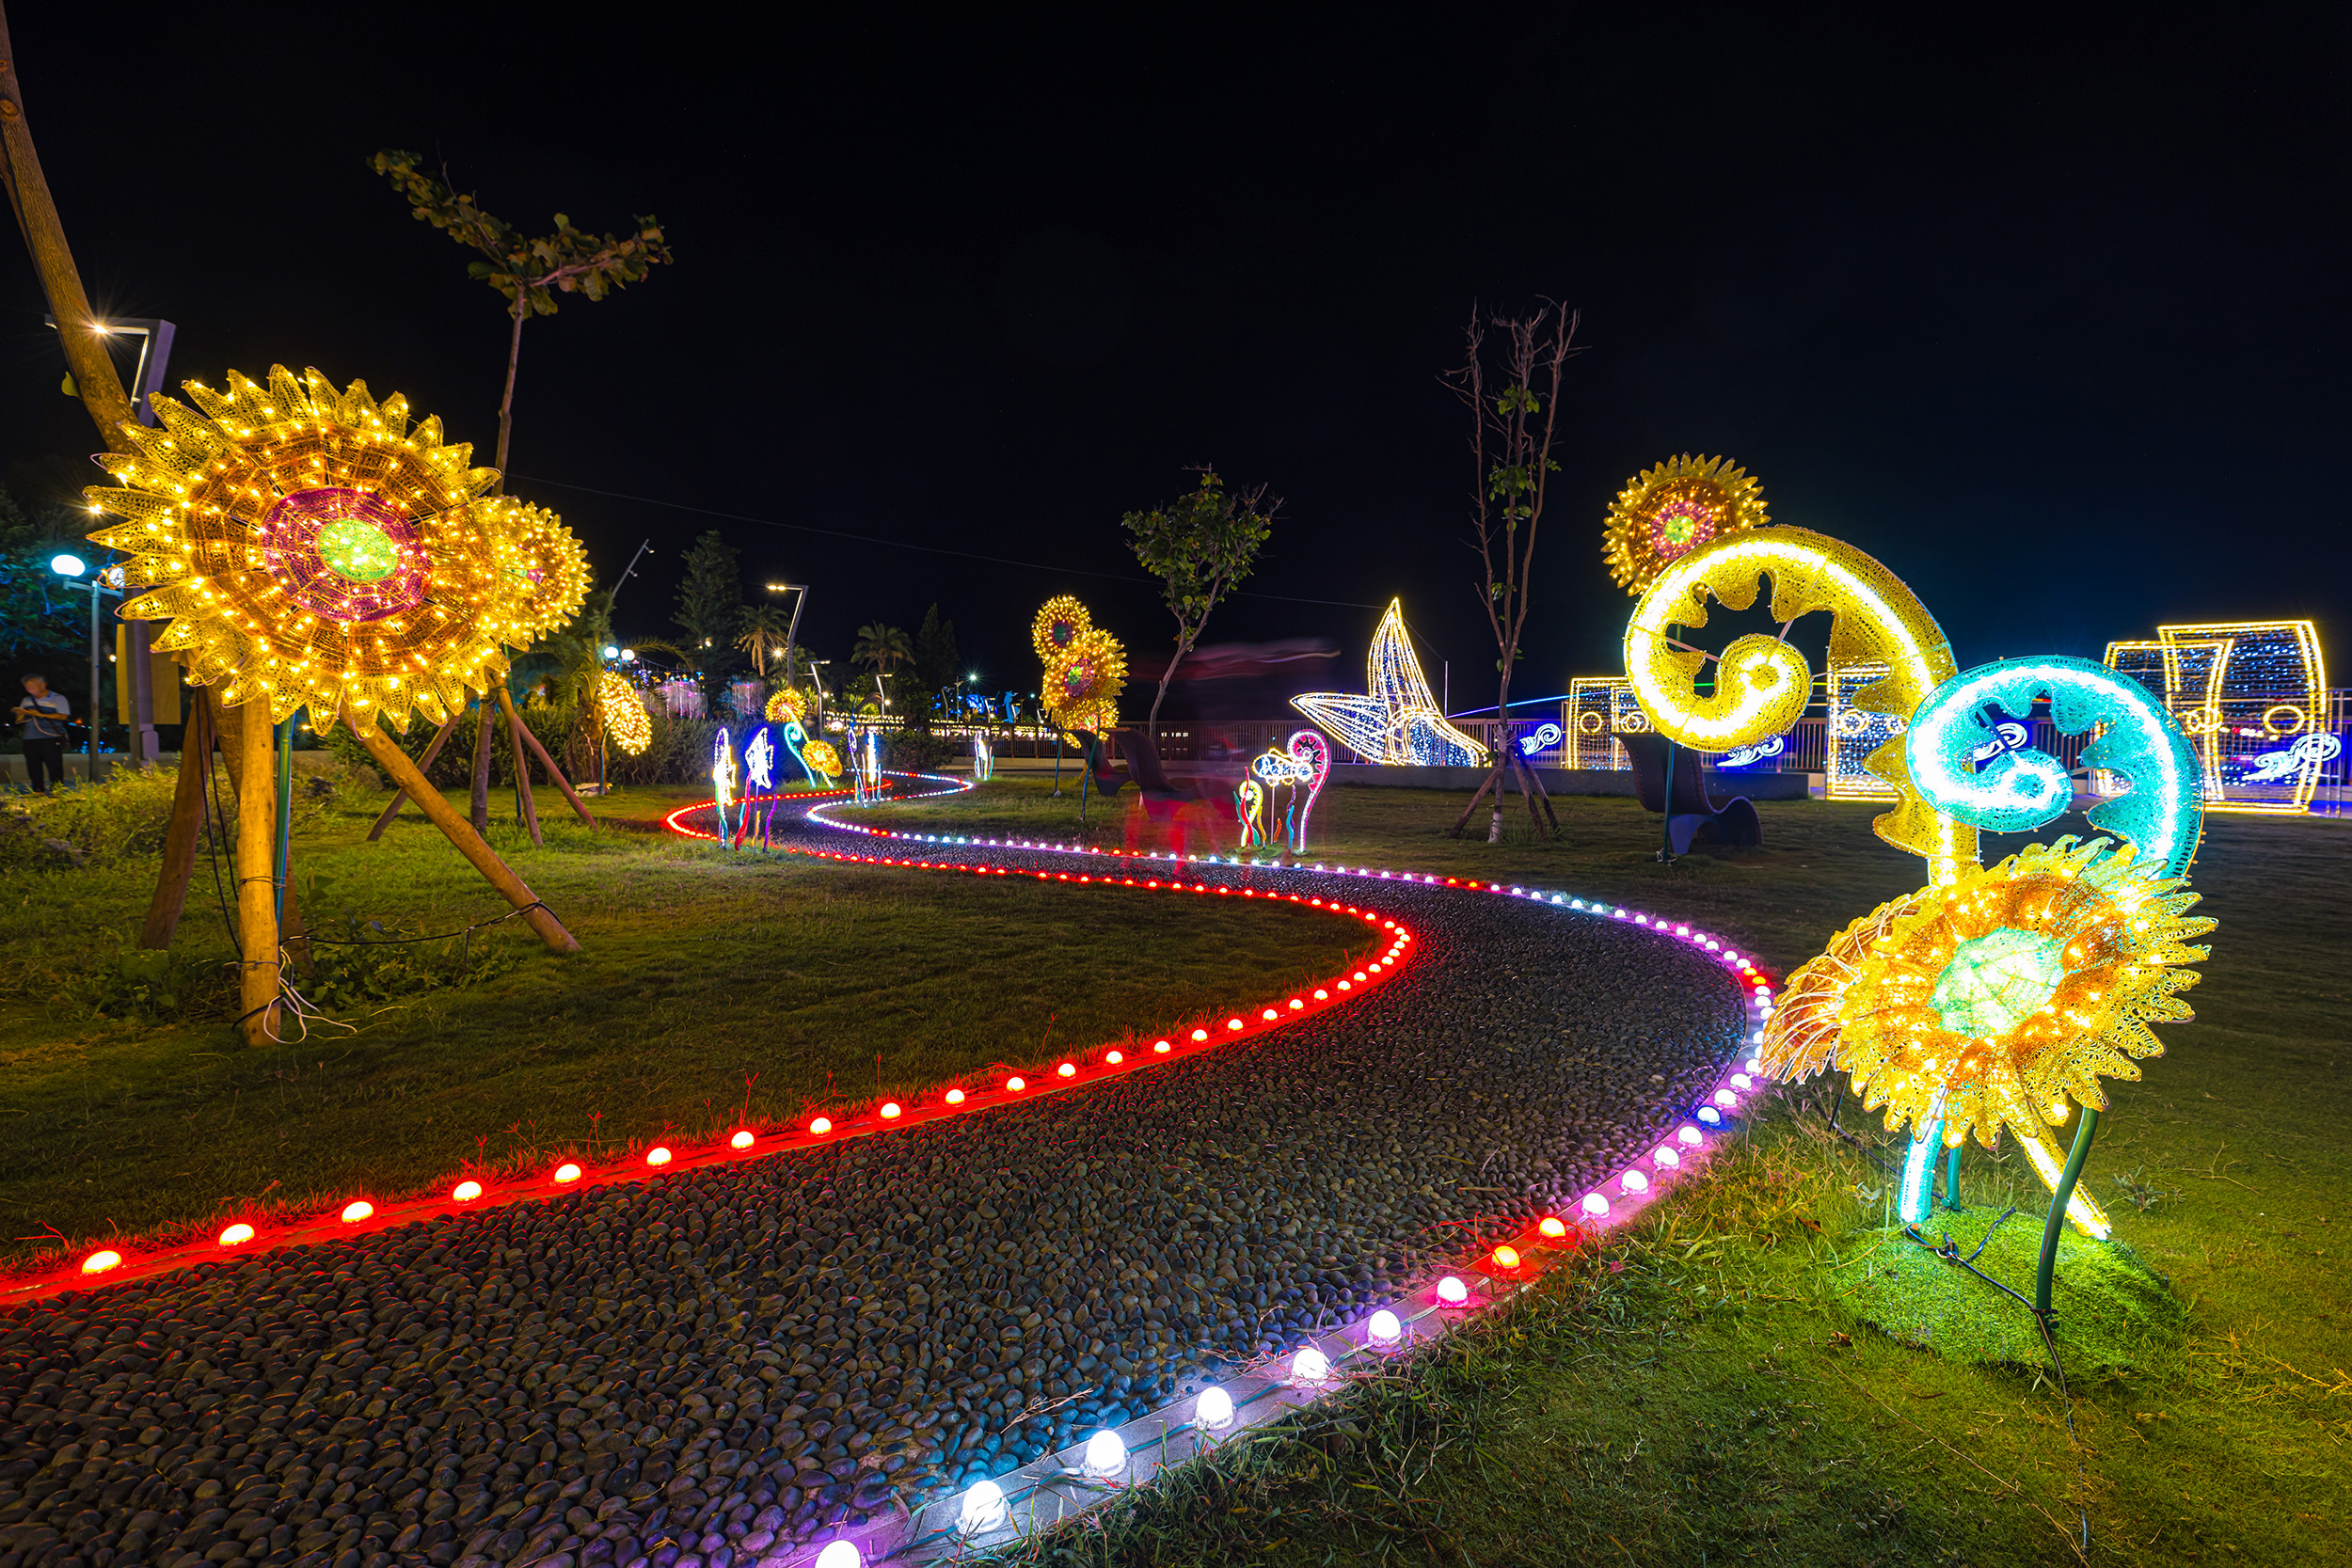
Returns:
<point x="442" y="936"/>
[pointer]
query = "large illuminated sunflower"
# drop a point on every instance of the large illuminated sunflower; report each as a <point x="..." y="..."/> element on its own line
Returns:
<point x="1994" y="1000"/>
<point x="1671" y="510"/>
<point x="1082" y="685"/>
<point x="313" y="548"/>
<point x="822" y="759"/>
<point x="1059" y="625"/>
<point x="787" y="703"/>
<point x="543" y="575"/>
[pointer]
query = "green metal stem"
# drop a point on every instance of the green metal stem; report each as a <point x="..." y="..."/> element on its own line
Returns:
<point x="1951" y="1177"/>
<point x="2084" y="1132"/>
<point x="285" y="811"/>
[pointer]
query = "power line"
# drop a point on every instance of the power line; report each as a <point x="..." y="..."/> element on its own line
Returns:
<point x="904" y="544"/>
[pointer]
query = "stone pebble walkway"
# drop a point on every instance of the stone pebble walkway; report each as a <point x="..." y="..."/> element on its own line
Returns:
<point x="714" y="1368"/>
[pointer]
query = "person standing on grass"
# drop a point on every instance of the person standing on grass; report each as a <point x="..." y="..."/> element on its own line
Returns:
<point x="43" y="713"/>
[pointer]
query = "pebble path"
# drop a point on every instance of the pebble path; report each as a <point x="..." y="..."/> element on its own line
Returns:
<point x="708" y="1369"/>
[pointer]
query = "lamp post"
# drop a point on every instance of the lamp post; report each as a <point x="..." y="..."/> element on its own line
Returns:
<point x="72" y="568"/>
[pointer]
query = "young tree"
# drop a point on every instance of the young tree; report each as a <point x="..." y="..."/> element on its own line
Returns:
<point x="1200" y="547"/>
<point x="709" y="606"/>
<point x="529" y="273"/>
<point x="937" y="664"/>
<point x="1510" y="437"/>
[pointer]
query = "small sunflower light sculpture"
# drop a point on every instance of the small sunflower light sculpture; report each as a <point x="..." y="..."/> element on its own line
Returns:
<point x="1668" y="510"/>
<point x="314" y="547"/>
<point x="1060" y="622"/>
<point x="787" y="703"/>
<point x="1082" y="687"/>
<point x="823" y="760"/>
<point x="541" y="570"/>
<point x="623" y="713"/>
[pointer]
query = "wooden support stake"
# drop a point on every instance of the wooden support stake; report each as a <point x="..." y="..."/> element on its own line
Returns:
<point x="555" y="774"/>
<point x="448" y="727"/>
<point x="185" y="828"/>
<point x="443" y="816"/>
<point x="481" y="770"/>
<point x="253" y="757"/>
<point x="522" y="765"/>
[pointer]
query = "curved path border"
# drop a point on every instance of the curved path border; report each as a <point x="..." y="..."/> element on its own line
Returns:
<point x="611" y="1347"/>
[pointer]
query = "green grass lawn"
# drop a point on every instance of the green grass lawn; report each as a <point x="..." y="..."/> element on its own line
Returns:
<point x="709" y="987"/>
<point x="1712" y="1387"/>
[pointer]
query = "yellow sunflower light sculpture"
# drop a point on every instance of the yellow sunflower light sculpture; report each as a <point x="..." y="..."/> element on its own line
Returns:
<point x="542" y="576"/>
<point x="1059" y="624"/>
<point x="822" y="760"/>
<point x="1996" y="998"/>
<point x="1666" y="512"/>
<point x="622" y="712"/>
<point x="787" y="703"/>
<point x="314" y="547"/>
<point x="1082" y="687"/>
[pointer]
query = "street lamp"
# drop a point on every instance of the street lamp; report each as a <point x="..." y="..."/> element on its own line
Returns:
<point x="71" y="567"/>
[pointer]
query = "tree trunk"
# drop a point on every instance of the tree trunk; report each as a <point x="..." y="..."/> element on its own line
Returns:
<point x="443" y="816"/>
<point x="187" y="826"/>
<point x="506" y="403"/>
<point x="481" y="802"/>
<point x="254" y="761"/>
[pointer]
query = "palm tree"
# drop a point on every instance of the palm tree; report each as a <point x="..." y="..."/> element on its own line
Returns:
<point x="764" y="629"/>
<point x="883" y="648"/>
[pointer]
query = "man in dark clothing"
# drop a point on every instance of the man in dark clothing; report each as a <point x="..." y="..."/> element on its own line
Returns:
<point x="43" y="714"/>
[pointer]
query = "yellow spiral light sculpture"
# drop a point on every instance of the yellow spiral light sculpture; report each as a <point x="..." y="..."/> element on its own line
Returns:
<point x="1762" y="684"/>
<point x="314" y="547"/>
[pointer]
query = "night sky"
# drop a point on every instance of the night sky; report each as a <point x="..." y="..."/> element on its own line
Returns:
<point x="2047" y="315"/>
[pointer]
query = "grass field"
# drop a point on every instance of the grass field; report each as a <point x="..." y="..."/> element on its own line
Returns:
<point x="711" y="987"/>
<point x="1711" y="1387"/>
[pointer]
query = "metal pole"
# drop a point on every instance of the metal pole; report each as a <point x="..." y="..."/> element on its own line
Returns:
<point x="1951" y="1177"/>
<point x="2059" y="1200"/>
<point x="285" y="812"/>
<point x="90" y="771"/>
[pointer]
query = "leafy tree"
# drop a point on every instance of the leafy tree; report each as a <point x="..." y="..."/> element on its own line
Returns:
<point x="39" y="615"/>
<point x="1510" y="437"/>
<point x="937" y="664"/>
<point x="527" y="273"/>
<point x="710" y="606"/>
<point x="1200" y="547"/>
<point x="764" y="628"/>
<point x="881" y="649"/>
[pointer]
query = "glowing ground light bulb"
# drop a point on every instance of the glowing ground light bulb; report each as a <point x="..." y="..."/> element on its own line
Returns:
<point x="658" y="1156"/>
<point x="236" y="1235"/>
<point x="841" y="1554"/>
<point x="1309" y="1366"/>
<point x="1233" y="1023"/>
<point x="1596" y="1205"/>
<point x="98" y="1262"/>
<point x="1553" y="1227"/>
<point x="1344" y="985"/>
<point x="1384" y="1329"/>
<point x="1200" y="1034"/>
<point x="1741" y="1081"/>
<point x="1726" y="1098"/>
<point x="1214" y="1409"/>
<point x="1105" y="1455"/>
<point x="1359" y="975"/>
<point x="566" y="1172"/>
<point x="1322" y="995"/>
<point x="1666" y="1156"/>
<point x="741" y="1139"/>
<point x="1016" y="1085"/>
<point x="983" y="1509"/>
<point x="1297" y="1003"/>
<point x="1506" y="1258"/>
<point x="464" y="1192"/>
<point x="955" y="1097"/>
<point x="356" y="1210"/>
<point x="1689" y="1136"/>
<point x="890" y="1110"/>
<point x="1160" y="1046"/>
<point x="1708" y="1114"/>
<point x="1068" y="1070"/>
<point x="1113" y="1058"/>
<point x="1269" y="1015"/>
<point x="1635" y="1181"/>
<point x="1452" y="1293"/>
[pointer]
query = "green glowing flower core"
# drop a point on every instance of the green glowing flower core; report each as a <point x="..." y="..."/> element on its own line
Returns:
<point x="1997" y="979"/>
<point x="358" y="550"/>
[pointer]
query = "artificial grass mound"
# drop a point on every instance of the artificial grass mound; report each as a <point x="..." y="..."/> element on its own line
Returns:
<point x="2113" y="1312"/>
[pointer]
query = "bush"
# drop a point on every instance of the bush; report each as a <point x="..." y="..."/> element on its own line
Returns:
<point x="920" y="752"/>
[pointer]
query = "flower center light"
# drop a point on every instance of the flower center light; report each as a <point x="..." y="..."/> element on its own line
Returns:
<point x="358" y="550"/>
<point x="1996" y="980"/>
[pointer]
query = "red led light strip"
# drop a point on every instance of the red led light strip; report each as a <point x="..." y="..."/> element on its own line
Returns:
<point x="111" y="1264"/>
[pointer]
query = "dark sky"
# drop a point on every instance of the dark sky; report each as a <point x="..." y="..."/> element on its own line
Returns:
<point x="2046" y="315"/>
